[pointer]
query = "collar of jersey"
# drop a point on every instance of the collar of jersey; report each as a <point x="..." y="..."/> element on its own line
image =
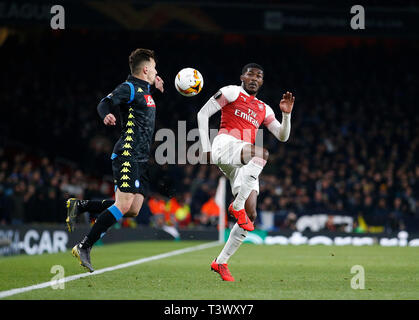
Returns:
<point x="139" y="82"/>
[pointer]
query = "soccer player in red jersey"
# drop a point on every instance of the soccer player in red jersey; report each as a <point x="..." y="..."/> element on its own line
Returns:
<point x="235" y="153"/>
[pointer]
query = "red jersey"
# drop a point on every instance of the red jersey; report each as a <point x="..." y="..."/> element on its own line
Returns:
<point x="242" y="114"/>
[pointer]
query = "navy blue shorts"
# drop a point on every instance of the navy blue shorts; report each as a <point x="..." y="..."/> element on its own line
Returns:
<point x="131" y="176"/>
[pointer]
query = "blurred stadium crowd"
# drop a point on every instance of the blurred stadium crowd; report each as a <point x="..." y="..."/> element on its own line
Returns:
<point x="353" y="148"/>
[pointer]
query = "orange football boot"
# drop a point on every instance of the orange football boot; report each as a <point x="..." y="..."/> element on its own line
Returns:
<point x="222" y="269"/>
<point x="242" y="219"/>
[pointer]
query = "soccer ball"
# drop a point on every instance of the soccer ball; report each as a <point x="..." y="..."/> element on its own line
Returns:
<point x="189" y="82"/>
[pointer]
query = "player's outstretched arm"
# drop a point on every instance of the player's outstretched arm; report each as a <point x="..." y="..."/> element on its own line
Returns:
<point x="211" y="107"/>
<point x="281" y="130"/>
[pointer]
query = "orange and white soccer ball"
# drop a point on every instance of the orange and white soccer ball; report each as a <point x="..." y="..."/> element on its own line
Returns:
<point x="189" y="82"/>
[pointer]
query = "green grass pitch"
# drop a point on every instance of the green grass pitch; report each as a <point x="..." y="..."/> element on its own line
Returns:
<point x="262" y="272"/>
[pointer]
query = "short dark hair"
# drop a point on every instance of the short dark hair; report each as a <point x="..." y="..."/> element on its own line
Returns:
<point x="138" y="56"/>
<point x="251" y="65"/>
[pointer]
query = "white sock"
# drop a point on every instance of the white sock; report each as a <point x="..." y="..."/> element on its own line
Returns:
<point x="237" y="235"/>
<point x="252" y="171"/>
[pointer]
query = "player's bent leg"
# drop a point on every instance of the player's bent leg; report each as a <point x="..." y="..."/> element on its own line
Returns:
<point x="124" y="200"/>
<point x="136" y="205"/>
<point x="93" y="206"/>
<point x="235" y="239"/>
<point x="105" y="220"/>
<point x="249" y="178"/>
<point x="76" y="207"/>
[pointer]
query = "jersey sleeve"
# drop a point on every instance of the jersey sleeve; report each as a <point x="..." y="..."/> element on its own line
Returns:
<point x="210" y="108"/>
<point x="230" y="93"/>
<point x="280" y="130"/>
<point x="122" y="94"/>
<point x="269" y="116"/>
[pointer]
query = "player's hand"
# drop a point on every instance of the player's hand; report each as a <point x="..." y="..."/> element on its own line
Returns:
<point x="287" y="102"/>
<point x="109" y="120"/>
<point x="158" y="83"/>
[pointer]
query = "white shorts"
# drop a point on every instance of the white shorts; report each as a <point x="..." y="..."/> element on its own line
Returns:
<point x="226" y="154"/>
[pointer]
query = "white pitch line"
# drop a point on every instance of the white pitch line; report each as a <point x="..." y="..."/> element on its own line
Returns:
<point x="12" y="292"/>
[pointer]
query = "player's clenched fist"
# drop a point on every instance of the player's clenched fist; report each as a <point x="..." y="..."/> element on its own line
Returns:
<point x="287" y="102"/>
<point x="109" y="120"/>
